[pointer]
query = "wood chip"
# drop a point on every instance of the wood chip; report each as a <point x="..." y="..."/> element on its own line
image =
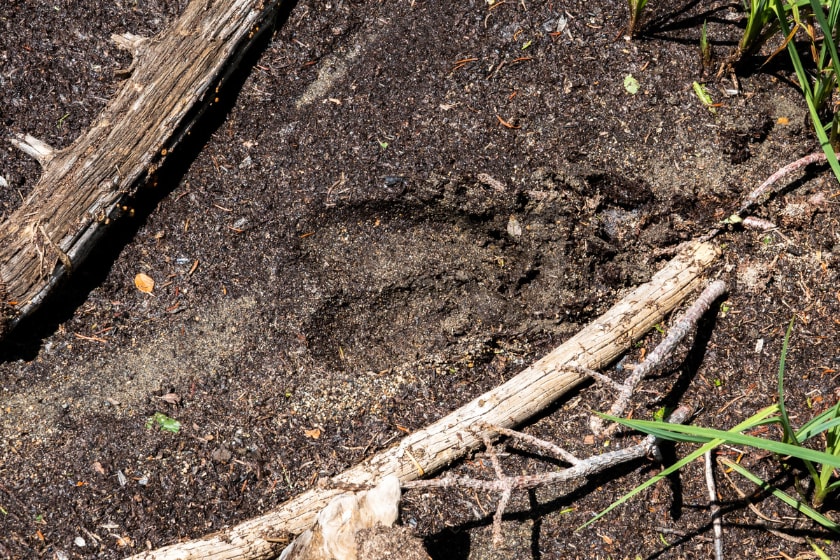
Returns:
<point x="144" y="283"/>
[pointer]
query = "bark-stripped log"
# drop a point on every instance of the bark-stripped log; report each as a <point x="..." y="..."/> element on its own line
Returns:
<point x="173" y="78"/>
<point x="450" y="438"/>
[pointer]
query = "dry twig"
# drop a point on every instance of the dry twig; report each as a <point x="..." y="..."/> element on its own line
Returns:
<point x="581" y="468"/>
<point x="675" y="335"/>
<point x="765" y="187"/>
<point x="714" y="505"/>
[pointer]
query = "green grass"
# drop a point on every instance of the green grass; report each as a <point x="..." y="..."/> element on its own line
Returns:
<point x="790" y="19"/>
<point x="816" y="91"/>
<point x="819" y="464"/>
<point x="637" y="7"/>
<point x="705" y="47"/>
<point x="761" y="24"/>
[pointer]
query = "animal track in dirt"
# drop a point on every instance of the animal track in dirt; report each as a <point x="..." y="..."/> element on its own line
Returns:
<point x="451" y="258"/>
<point x="312" y="236"/>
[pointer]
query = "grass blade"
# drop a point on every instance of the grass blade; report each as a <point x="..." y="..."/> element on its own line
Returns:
<point x="827" y="26"/>
<point x="751" y="422"/>
<point x="804" y="84"/>
<point x="789" y="435"/>
<point x="783" y="496"/>
<point x="678" y="432"/>
<point x="808" y="431"/>
<point x="820" y="423"/>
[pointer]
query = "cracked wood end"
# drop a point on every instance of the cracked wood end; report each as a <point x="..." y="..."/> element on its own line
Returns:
<point x="42" y="152"/>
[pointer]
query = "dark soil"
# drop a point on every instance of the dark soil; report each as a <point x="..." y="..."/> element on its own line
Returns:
<point x="356" y="245"/>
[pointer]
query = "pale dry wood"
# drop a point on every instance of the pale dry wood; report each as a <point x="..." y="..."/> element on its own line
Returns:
<point x="450" y="438"/>
<point x="172" y="79"/>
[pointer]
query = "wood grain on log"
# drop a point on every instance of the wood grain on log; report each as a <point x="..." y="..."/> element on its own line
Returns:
<point x="450" y="438"/>
<point x="173" y="78"/>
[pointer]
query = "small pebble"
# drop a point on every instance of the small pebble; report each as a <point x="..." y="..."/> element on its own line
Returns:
<point x="80" y="542"/>
<point x="514" y="228"/>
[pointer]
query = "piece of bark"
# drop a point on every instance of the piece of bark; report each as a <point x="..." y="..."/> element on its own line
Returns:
<point x="172" y="79"/>
<point x="335" y="533"/>
<point x="450" y="438"/>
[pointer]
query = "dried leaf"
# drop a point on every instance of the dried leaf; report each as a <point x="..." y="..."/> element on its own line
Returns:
<point x="171" y="398"/>
<point x="97" y="466"/>
<point x="221" y="454"/>
<point x="314" y="433"/>
<point x="144" y="283"/>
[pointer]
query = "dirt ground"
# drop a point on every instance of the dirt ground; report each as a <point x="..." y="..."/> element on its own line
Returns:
<point x="395" y="207"/>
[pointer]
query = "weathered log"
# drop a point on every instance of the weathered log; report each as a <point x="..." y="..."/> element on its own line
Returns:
<point x="172" y="79"/>
<point x="450" y="438"/>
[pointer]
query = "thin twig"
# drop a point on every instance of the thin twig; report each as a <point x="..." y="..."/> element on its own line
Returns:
<point x="765" y="187"/>
<point x="498" y="539"/>
<point x="506" y="491"/>
<point x="678" y="533"/>
<point x="665" y="348"/>
<point x="494" y="458"/>
<point x="596" y="375"/>
<point x="752" y="199"/>
<point x="505" y="485"/>
<point x="547" y="447"/>
<point x="714" y="506"/>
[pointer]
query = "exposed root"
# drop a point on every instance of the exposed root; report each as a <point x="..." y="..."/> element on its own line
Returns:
<point x="752" y="199"/>
<point x="714" y="505"/>
<point x="665" y="348"/>
<point x="766" y="187"/>
<point x="581" y="468"/>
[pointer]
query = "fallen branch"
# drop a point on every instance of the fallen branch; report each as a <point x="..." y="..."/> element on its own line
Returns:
<point x="451" y="437"/>
<point x="581" y="468"/>
<point x="173" y="78"/>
